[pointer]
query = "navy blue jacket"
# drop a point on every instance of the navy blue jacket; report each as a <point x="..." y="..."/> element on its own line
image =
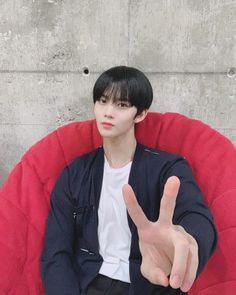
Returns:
<point x="71" y="259"/>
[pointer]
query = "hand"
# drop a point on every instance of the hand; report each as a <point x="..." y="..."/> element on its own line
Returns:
<point x="166" y="249"/>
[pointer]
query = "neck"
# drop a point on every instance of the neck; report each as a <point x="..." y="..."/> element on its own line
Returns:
<point x="119" y="152"/>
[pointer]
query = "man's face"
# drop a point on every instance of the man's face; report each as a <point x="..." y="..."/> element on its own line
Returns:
<point x="114" y="118"/>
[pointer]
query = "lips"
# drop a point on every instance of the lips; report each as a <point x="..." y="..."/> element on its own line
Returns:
<point x="107" y="124"/>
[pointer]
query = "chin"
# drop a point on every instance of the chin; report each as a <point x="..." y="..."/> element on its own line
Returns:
<point x="107" y="135"/>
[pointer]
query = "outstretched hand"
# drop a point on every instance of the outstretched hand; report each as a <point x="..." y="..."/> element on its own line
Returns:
<point x="169" y="253"/>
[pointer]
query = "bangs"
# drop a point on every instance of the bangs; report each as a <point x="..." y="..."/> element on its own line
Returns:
<point x="117" y="91"/>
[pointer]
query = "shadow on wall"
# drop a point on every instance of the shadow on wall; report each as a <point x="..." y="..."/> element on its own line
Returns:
<point x="10" y="154"/>
<point x="3" y="174"/>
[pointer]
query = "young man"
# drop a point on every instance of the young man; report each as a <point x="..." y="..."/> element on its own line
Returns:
<point x="92" y="245"/>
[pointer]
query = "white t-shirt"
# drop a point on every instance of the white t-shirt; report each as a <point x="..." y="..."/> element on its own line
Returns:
<point x="113" y="230"/>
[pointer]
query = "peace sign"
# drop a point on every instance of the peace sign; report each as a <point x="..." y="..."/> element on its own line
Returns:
<point x="167" y="249"/>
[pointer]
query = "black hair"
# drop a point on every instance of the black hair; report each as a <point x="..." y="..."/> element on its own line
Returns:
<point x="126" y="84"/>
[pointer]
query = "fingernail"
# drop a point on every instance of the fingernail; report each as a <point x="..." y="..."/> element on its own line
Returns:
<point x="185" y="288"/>
<point x="174" y="281"/>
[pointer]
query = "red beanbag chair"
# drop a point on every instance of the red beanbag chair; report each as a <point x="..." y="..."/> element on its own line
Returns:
<point x="24" y="198"/>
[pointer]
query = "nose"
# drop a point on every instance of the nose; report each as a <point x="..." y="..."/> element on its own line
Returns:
<point x="109" y="110"/>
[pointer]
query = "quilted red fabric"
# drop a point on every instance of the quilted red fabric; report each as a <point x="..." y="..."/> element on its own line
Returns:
<point x="24" y="198"/>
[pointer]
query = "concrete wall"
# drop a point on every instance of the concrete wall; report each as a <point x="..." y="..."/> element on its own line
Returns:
<point x="186" y="47"/>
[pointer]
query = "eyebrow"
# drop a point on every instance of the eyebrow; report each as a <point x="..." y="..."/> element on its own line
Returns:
<point x="119" y="99"/>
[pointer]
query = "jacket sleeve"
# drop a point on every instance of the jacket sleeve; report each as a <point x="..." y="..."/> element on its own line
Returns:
<point x="192" y="213"/>
<point x="57" y="260"/>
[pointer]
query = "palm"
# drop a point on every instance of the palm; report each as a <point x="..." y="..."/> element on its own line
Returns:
<point x="156" y="253"/>
<point x="166" y="249"/>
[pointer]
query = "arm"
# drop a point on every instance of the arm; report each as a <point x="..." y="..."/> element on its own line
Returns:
<point x="169" y="253"/>
<point x="57" y="261"/>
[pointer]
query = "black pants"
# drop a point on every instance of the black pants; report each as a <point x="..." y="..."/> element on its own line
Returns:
<point x="103" y="285"/>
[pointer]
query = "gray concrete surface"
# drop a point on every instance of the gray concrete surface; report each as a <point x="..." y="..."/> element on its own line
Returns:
<point x="186" y="47"/>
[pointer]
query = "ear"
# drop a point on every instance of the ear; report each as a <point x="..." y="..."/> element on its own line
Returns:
<point x="141" y="116"/>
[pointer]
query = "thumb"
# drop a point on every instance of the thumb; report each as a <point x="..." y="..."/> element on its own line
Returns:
<point x="155" y="275"/>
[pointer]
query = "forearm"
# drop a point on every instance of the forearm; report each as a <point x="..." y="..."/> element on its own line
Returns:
<point x="59" y="277"/>
<point x="57" y="260"/>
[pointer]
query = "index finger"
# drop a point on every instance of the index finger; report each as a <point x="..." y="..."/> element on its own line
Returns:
<point x="135" y="211"/>
<point x="168" y="200"/>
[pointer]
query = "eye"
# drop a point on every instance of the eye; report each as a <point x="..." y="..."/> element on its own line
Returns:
<point x="102" y="100"/>
<point x="123" y="104"/>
